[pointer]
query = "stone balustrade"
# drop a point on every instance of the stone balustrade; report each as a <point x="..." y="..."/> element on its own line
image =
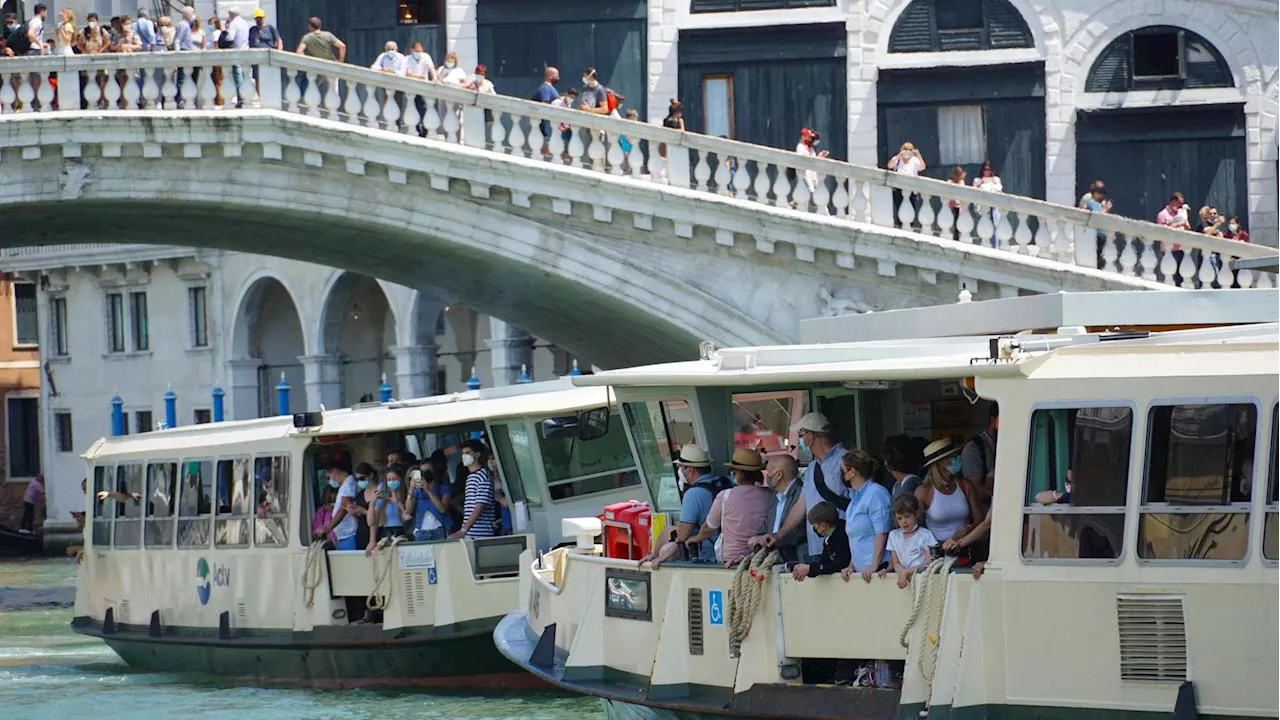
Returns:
<point x="185" y="82"/>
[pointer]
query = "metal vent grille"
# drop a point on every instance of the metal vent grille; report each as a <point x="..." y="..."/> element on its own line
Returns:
<point x="415" y="591"/>
<point x="695" y="621"/>
<point x="1153" y="638"/>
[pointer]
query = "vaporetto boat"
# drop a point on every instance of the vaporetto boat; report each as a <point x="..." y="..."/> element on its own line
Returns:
<point x="190" y="576"/>
<point x="1149" y="590"/>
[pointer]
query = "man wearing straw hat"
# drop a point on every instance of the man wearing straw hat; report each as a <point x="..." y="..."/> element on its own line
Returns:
<point x="698" y="489"/>
<point x="738" y="512"/>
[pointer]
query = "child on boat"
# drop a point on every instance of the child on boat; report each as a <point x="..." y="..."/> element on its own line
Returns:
<point x="909" y="544"/>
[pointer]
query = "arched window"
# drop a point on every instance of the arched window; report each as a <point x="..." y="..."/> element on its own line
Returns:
<point x="944" y="25"/>
<point x="1159" y="57"/>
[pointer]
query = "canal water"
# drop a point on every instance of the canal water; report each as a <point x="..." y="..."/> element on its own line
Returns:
<point x="48" y="672"/>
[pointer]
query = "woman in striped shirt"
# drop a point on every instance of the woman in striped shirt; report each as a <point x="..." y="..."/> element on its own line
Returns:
<point x="478" y="507"/>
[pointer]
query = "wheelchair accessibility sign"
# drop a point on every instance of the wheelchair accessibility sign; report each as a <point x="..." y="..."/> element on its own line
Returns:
<point x="715" y="607"/>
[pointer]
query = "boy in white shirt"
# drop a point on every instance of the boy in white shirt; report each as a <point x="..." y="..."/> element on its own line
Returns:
<point x="909" y="544"/>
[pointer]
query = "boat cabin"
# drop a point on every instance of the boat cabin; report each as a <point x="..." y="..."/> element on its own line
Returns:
<point x="1133" y="496"/>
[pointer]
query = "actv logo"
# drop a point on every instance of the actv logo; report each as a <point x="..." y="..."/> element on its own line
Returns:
<point x="207" y="576"/>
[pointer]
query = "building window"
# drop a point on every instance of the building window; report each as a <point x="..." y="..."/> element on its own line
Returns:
<point x="23" y="422"/>
<point x="1200" y="468"/>
<point x="201" y="416"/>
<point x="26" y="325"/>
<point x="58" y="326"/>
<point x="420" y="12"/>
<point x="144" y="421"/>
<point x="115" y="322"/>
<point x="62" y="431"/>
<point x="199" y="317"/>
<point x="959" y="25"/>
<point x="717" y="103"/>
<point x="1077" y="483"/>
<point x="138" y="321"/>
<point x="962" y="135"/>
<point x="705" y="6"/>
<point x="1159" y="57"/>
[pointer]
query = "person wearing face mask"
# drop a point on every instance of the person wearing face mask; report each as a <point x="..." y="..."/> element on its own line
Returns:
<point x="450" y="73"/>
<point x="478" y="510"/>
<point x="698" y="488"/>
<point x="594" y="99"/>
<point x="867" y="519"/>
<point x="481" y="83"/>
<point x="387" y="513"/>
<point x="949" y="500"/>
<point x="738" y="511"/>
<point x="419" y="65"/>
<point x="343" y="524"/>
<point x="390" y="61"/>
<point x="979" y="458"/>
<point x="822" y="477"/>
<point x="781" y="529"/>
<point x="808" y="146"/>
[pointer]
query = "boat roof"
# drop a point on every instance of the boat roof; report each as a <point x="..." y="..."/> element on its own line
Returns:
<point x="946" y="357"/>
<point x="544" y="399"/>
<point x="1126" y="309"/>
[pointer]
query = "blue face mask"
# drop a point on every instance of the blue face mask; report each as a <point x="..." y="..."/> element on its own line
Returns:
<point x="804" y="446"/>
<point x="393" y="484"/>
<point x="335" y="484"/>
<point x="956" y="465"/>
<point x="362" y="484"/>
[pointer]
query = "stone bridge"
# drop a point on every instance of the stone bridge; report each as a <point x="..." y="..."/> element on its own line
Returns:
<point x="629" y="244"/>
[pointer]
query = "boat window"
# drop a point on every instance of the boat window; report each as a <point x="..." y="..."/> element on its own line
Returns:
<point x="1077" y="482"/>
<point x="271" y="496"/>
<point x="1271" y="523"/>
<point x="104" y="507"/>
<point x="235" y="504"/>
<point x="161" y="492"/>
<point x="660" y="429"/>
<point x="194" y="511"/>
<point x="1195" y="505"/>
<point x="519" y="466"/>
<point x="577" y="467"/>
<point x="128" y="529"/>
<point x="762" y="421"/>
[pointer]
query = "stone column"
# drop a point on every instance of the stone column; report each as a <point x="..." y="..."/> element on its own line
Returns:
<point x="242" y="390"/>
<point x="460" y="31"/>
<point x="323" y="375"/>
<point x="416" y="371"/>
<point x="510" y="347"/>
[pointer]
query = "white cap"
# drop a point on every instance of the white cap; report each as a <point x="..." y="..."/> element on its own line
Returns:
<point x="813" y="422"/>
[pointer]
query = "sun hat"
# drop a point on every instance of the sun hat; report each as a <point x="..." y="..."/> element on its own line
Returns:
<point x="939" y="450"/>
<point x="693" y="456"/>
<point x="746" y="459"/>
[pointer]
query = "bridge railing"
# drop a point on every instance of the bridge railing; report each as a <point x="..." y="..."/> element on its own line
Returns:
<point x="344" y="93"/>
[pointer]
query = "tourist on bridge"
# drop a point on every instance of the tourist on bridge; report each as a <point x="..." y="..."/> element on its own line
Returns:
<point x="319" y="43"/>
<point x="390" y="61"/>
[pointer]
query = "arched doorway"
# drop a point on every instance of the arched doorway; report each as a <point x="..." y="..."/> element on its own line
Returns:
<point x="359" y="328"/>
<point x="267" y="341"/>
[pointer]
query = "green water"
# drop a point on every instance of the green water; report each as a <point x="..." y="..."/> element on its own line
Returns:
<point x="49" y="672"/>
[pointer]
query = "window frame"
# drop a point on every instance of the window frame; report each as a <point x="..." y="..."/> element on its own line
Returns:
<point x="1181" y="38"/>
<point x="117" y="333"/>
<point x="18" y="343"/>
<point x="548" y="483"/>
<point x="699" y="438"/>
<point x="206" y="517"/>
<point x="58" y="435"/>
<point x="213" y="502"/>
<point x="441" y="11"/>
<point x="147" y="517"/>
<point x="139" y="325"/>
<point x="142" y="507"/>
<point x="728" y="78"/>
<point x="1035" y="509"/>
<point x="1242" y="508"/>
<point x="198" y="317"/>
<point x="60" y="339"/>
<point x="138" y="427"/>
<point x="1270" y="507"/>
<point x="284" y="514"/>
<point x="107" y="506"/>
<point x="534" y="477"/>
<point x="22" y="395"/>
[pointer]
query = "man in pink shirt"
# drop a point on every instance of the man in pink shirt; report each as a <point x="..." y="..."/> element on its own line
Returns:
<point x="737" y="513"/>
<point x="1174" y="215"/>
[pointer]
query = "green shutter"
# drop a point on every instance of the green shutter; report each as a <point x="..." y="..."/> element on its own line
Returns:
<point x="1110" y="72"/>
<point x="1005" y="26"/>
<point x="914" y="30"/>
<point x="960" y="39"/>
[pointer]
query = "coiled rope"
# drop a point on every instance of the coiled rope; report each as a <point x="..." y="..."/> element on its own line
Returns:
<point x="929" y="585"/>
<point x="745" y="593"/>
<point x="381" y="573"/>
<point x="313" y="573"/>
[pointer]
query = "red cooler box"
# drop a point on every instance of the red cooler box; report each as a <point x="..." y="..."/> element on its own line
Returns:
<point x="626" y="535"/>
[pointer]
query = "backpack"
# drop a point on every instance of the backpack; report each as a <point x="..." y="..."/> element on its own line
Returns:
<point x="715" y="486"/>
<point x="224" y="40"/>
<point x="18" y="41"/>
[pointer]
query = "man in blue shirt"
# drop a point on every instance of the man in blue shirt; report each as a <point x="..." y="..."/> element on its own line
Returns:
<point x="546" y="93"/>
<point x="693" y="470"/>
<point x="816" y="435"/>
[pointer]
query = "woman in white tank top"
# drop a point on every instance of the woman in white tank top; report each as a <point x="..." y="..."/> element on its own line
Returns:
<point x="950" y="505"/>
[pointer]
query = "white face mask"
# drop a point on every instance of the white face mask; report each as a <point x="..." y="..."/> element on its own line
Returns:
<point x="586" y="80"/>
<point x="468" y="459"/>
<point x="449" y="64"/>
<point x="93" y="26"/>
<point x="417" y="54"/>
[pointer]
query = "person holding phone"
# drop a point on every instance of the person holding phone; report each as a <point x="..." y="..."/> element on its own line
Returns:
<point x="429" y="504"/>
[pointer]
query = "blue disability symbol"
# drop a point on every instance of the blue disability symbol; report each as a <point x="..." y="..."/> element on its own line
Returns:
<point x="715" y="602"/>
<point x="431" y="576"/>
